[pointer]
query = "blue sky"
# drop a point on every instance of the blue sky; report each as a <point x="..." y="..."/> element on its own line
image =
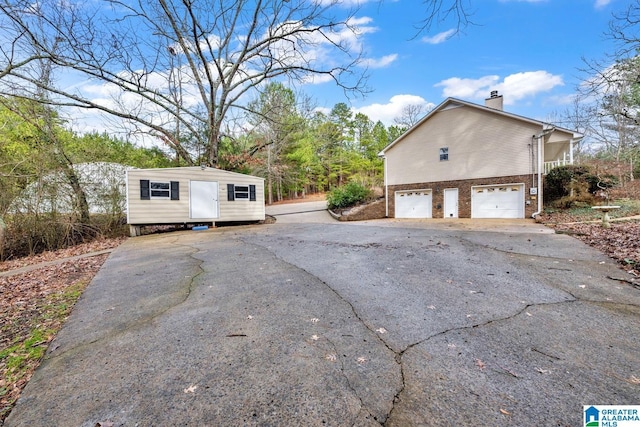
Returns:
<point x="531" y="51"/>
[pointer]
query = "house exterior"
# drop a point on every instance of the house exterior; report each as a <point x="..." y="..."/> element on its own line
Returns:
<point x="192" y="196"/>
<point x="472" y="161"/>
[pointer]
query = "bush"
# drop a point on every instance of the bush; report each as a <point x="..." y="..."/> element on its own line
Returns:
<point x="597" y="183"/>
<point x="347" y="196"/>
<point x="560" y="181"/>
<point x="29" y="234"/>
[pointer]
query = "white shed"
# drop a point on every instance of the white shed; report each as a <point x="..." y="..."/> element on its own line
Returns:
<point x="192" y="196"/>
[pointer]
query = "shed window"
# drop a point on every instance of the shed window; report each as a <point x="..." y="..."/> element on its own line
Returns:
<point x="168" y="190"/>
<point x="160" y="190"/>
<point x="241" y="192"/>
<point x="444" y="154"/>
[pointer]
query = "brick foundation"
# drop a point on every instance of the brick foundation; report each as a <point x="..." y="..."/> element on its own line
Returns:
<point x="464" y="193"/>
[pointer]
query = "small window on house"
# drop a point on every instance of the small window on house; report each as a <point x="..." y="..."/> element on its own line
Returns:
<point x="160" y="190"/>
<point x="515" y="189"/>
<point x="241" y="192"/>
<point x="503" y="189"/>
<point x="444" y="154"/>
<point x="169" y="190"/>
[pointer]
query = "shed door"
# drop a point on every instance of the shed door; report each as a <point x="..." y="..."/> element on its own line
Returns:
<point x="498" y="201"/>
<point x="203" y="199"/>
<point x="413" y="204"/>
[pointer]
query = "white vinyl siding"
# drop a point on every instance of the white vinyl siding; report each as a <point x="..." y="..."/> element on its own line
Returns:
<point x="164" y="211"/>
<point x="480" y="144"/>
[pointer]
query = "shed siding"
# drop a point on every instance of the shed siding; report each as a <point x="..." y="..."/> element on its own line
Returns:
<point x="241" y="209"/>
<point x="163" y="211"/>
<point x="476" y="146"/>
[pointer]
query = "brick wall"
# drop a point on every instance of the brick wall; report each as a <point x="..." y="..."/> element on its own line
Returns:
<point x="464" y="193"/>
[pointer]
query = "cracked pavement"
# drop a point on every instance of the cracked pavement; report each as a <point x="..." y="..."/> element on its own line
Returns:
<point x="343" y="324"/>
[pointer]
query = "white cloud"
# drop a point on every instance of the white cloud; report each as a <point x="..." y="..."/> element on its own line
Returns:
<point x="440" y="37"/>
<point x="521" y="85"/>
<point x="344" y="3"/>
<point x="599" y="4"/>
<point x="514" y="87"/>
<point x="466" y="88"/>
<point x="392" y="109"/>
<point x="381" y="62"/>
<point x="316" y="47"/>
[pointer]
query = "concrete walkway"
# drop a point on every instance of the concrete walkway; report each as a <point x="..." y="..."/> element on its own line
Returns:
<point x="395" y="323"/>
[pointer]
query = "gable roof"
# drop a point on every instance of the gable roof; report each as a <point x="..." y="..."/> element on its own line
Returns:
<point x="454" y="102"/>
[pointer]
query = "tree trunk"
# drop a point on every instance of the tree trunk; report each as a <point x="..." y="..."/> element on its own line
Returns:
<point x="80" y="197"/>
<point x="2" y="232"/>
<point x="269" y="179"/>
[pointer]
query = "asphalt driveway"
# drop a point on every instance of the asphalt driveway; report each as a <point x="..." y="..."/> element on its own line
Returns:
<point x="394" y="323"/>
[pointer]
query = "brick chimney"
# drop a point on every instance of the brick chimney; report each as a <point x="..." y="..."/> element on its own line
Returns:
<point x="494" y="101"/>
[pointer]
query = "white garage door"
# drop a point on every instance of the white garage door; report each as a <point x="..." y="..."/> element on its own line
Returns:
<point x="497" y="201"/>
<point x="413" y="204"/>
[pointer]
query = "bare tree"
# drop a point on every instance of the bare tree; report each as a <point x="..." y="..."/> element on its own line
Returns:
<point x="612" y="100"/>
<point x="439" y="11"/>
<point x="176" y="69"/>
<point x="40" y="115"/>
<point x="410" y="115"/>
<point x="623" y="29"/>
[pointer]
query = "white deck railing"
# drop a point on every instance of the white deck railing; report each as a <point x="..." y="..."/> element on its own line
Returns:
<point x="554" y="164"/>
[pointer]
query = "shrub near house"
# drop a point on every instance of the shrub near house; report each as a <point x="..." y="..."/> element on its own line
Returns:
<point x="348" y="196"/>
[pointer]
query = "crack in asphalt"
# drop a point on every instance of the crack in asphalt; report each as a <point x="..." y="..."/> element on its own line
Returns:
<point x="357" y="316"/>
<point x="147" y="319"/>
<point x="399" y="354"/>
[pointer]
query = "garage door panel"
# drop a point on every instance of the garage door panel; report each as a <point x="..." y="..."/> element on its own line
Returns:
<point x="498" y="201"/>
<point x="413" y="204"/>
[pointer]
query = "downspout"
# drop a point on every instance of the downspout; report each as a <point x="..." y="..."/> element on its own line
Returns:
<point x="540" y="167"/>
<point x="540" y="138"/>
<point x="386" y="188"/>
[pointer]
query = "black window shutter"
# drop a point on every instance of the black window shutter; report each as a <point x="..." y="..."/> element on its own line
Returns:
<point x="230" y="190"/>
<point x="175" y="190"/>
<point x="145" y="194"/>
<point x="252" y="193"/>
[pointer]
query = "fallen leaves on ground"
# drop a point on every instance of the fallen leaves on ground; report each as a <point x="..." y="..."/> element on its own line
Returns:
<point x="84" y="248"/>
<point x="621" y="241"/>
<point x="33" y="307"/>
